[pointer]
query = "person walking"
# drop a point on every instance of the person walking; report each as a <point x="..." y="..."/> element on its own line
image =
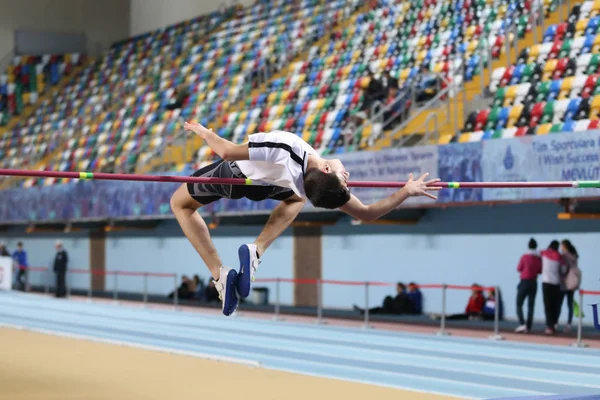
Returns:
<point x="530" y="266"/>
<point x="60" y="269"/>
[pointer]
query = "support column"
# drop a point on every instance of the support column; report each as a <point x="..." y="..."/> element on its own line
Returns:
<point x="307" y="264"/>
<point x="98" y="259"/>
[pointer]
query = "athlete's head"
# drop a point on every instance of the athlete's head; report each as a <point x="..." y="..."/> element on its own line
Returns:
<point x="326" y="185"/>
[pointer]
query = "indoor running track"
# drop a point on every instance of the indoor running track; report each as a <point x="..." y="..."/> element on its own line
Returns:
<point x="470" y="368"/>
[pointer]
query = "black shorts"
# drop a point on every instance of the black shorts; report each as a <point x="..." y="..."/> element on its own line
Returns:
<point x="207" y="193"/>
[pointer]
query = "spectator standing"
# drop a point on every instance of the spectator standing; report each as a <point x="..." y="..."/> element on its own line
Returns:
<point x="20" y="258"/>
<point x="416" y="298"/>
<point x="374" y="92"/>
<point x="571" y="279"/>
<point x="551" y="278"/>
<point x="3" y="251"/>
<point x="60" y="269"/>
<point x="530" y="266"/>
<point x="389" y="82"/>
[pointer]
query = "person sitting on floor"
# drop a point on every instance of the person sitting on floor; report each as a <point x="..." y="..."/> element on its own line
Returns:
<point x="415" y="297"/>
<point x="392" y="305"/>
<point x="185" y="290"/>
<point x="199" y="292"/>
<point x="474" y="306"/>
<point x="211" y="293"/>
<point x="489" y="309"/>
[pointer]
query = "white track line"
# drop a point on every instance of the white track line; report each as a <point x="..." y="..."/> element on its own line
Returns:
<point x="211" y="357"/>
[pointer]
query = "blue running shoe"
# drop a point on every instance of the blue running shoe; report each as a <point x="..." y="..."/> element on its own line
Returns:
<point x="226" y="287"/>
<point x="249" y="262"/>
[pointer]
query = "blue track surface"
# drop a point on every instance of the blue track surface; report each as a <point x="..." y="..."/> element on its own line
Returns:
<point x="473" y="368"/>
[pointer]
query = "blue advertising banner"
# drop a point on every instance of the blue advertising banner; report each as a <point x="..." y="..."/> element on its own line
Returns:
<point x="559" y="157"/>
<point x="563" y="157"/>
<point x="460" y="163"/>
<point x="390" y="165"/>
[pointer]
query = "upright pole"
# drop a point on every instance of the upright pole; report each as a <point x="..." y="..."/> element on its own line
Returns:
<point x="319" y="302"/>
<point x="48" y="279"/>
<point x="516" y="40"/>
<point x="68" y="284"/>
<point x="579" y="342"/>
<point x="507" y="33"/>
<point x="560" y="10"/>
<point x="496" y="335"/>
<point x="145" y="289"/>
<point x="89" y="294"/>
<point x="116" y="287"/>
<point x="482" y="65"/>
<point x="176" y="295"/>
<point x="366" y="323"/>
<point x="534" y="22"/>
<point x="277" y="300"/>
<point x="442" y="331"/>
<point x="463" y="71"/>
<point x="542" y="17"/>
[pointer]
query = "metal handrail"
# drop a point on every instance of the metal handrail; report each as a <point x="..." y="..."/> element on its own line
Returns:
<point x="428" y="104"/>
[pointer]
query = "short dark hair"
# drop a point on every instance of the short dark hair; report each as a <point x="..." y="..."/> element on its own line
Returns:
<point x="554" y="245"/>
<point x="20" y="244"/>
<point x="532" y="244"/>
<point x="325" y="190"/>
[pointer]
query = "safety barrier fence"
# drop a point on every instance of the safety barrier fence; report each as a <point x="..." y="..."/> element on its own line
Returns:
<point x="115" y="275"/>
<point x="582" y="292"/>
<point x="366" y="285"/>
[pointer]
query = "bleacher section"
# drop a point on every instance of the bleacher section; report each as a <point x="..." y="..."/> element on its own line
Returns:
<point x="114" y="114"/>
<point x="318" y="95"/>
<point x="552" y="87"/>
<point x="27" y="77"/>
<point x="115" y="117"/>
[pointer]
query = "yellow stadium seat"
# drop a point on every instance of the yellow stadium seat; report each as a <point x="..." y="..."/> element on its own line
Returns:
<point x="543" y="129"/>
<point x="243" y="116"/>
<point x="438" y="67"/>
<point x="514" y="114"/>
<point x="271" y="97"/>
<point x="251" y="128"/>
<point x="509" y="95"/>
<point x="566" y="87"/>
<point x="595" y="107"/>
<point x="364" y="82"/>
<point x="404" y="74"/>
<point x="549" y="69"/>
<point x="301" y="79"/>
<point x="310" y="119"/>
<point x="306" y="136"/>
<point x="581" y="25"/>
<point x="464" y="138"/>
<point x="470" y="31"/>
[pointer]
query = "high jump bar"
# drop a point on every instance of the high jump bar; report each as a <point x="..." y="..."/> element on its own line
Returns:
<point x="239" y="181"/>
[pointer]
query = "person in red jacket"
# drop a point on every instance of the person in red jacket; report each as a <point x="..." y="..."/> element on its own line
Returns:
<point x="474" y="307"/>
<point x="530" y="266"/>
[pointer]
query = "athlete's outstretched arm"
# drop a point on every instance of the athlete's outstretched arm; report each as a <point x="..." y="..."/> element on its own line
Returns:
<point x="225" y="149"/>
<point x="374" y="211"/>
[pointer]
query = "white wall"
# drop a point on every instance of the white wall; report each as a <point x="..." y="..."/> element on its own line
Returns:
<point x="103" y="22"/>
<point x="148" y="15"/>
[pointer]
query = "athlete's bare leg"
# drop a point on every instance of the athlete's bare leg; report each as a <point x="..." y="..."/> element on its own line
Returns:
<point x="195" y="229"/>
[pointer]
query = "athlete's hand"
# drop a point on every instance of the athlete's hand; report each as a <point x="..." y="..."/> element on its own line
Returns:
<point x="421" y="187"/>
<point x="197" y="128"/>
